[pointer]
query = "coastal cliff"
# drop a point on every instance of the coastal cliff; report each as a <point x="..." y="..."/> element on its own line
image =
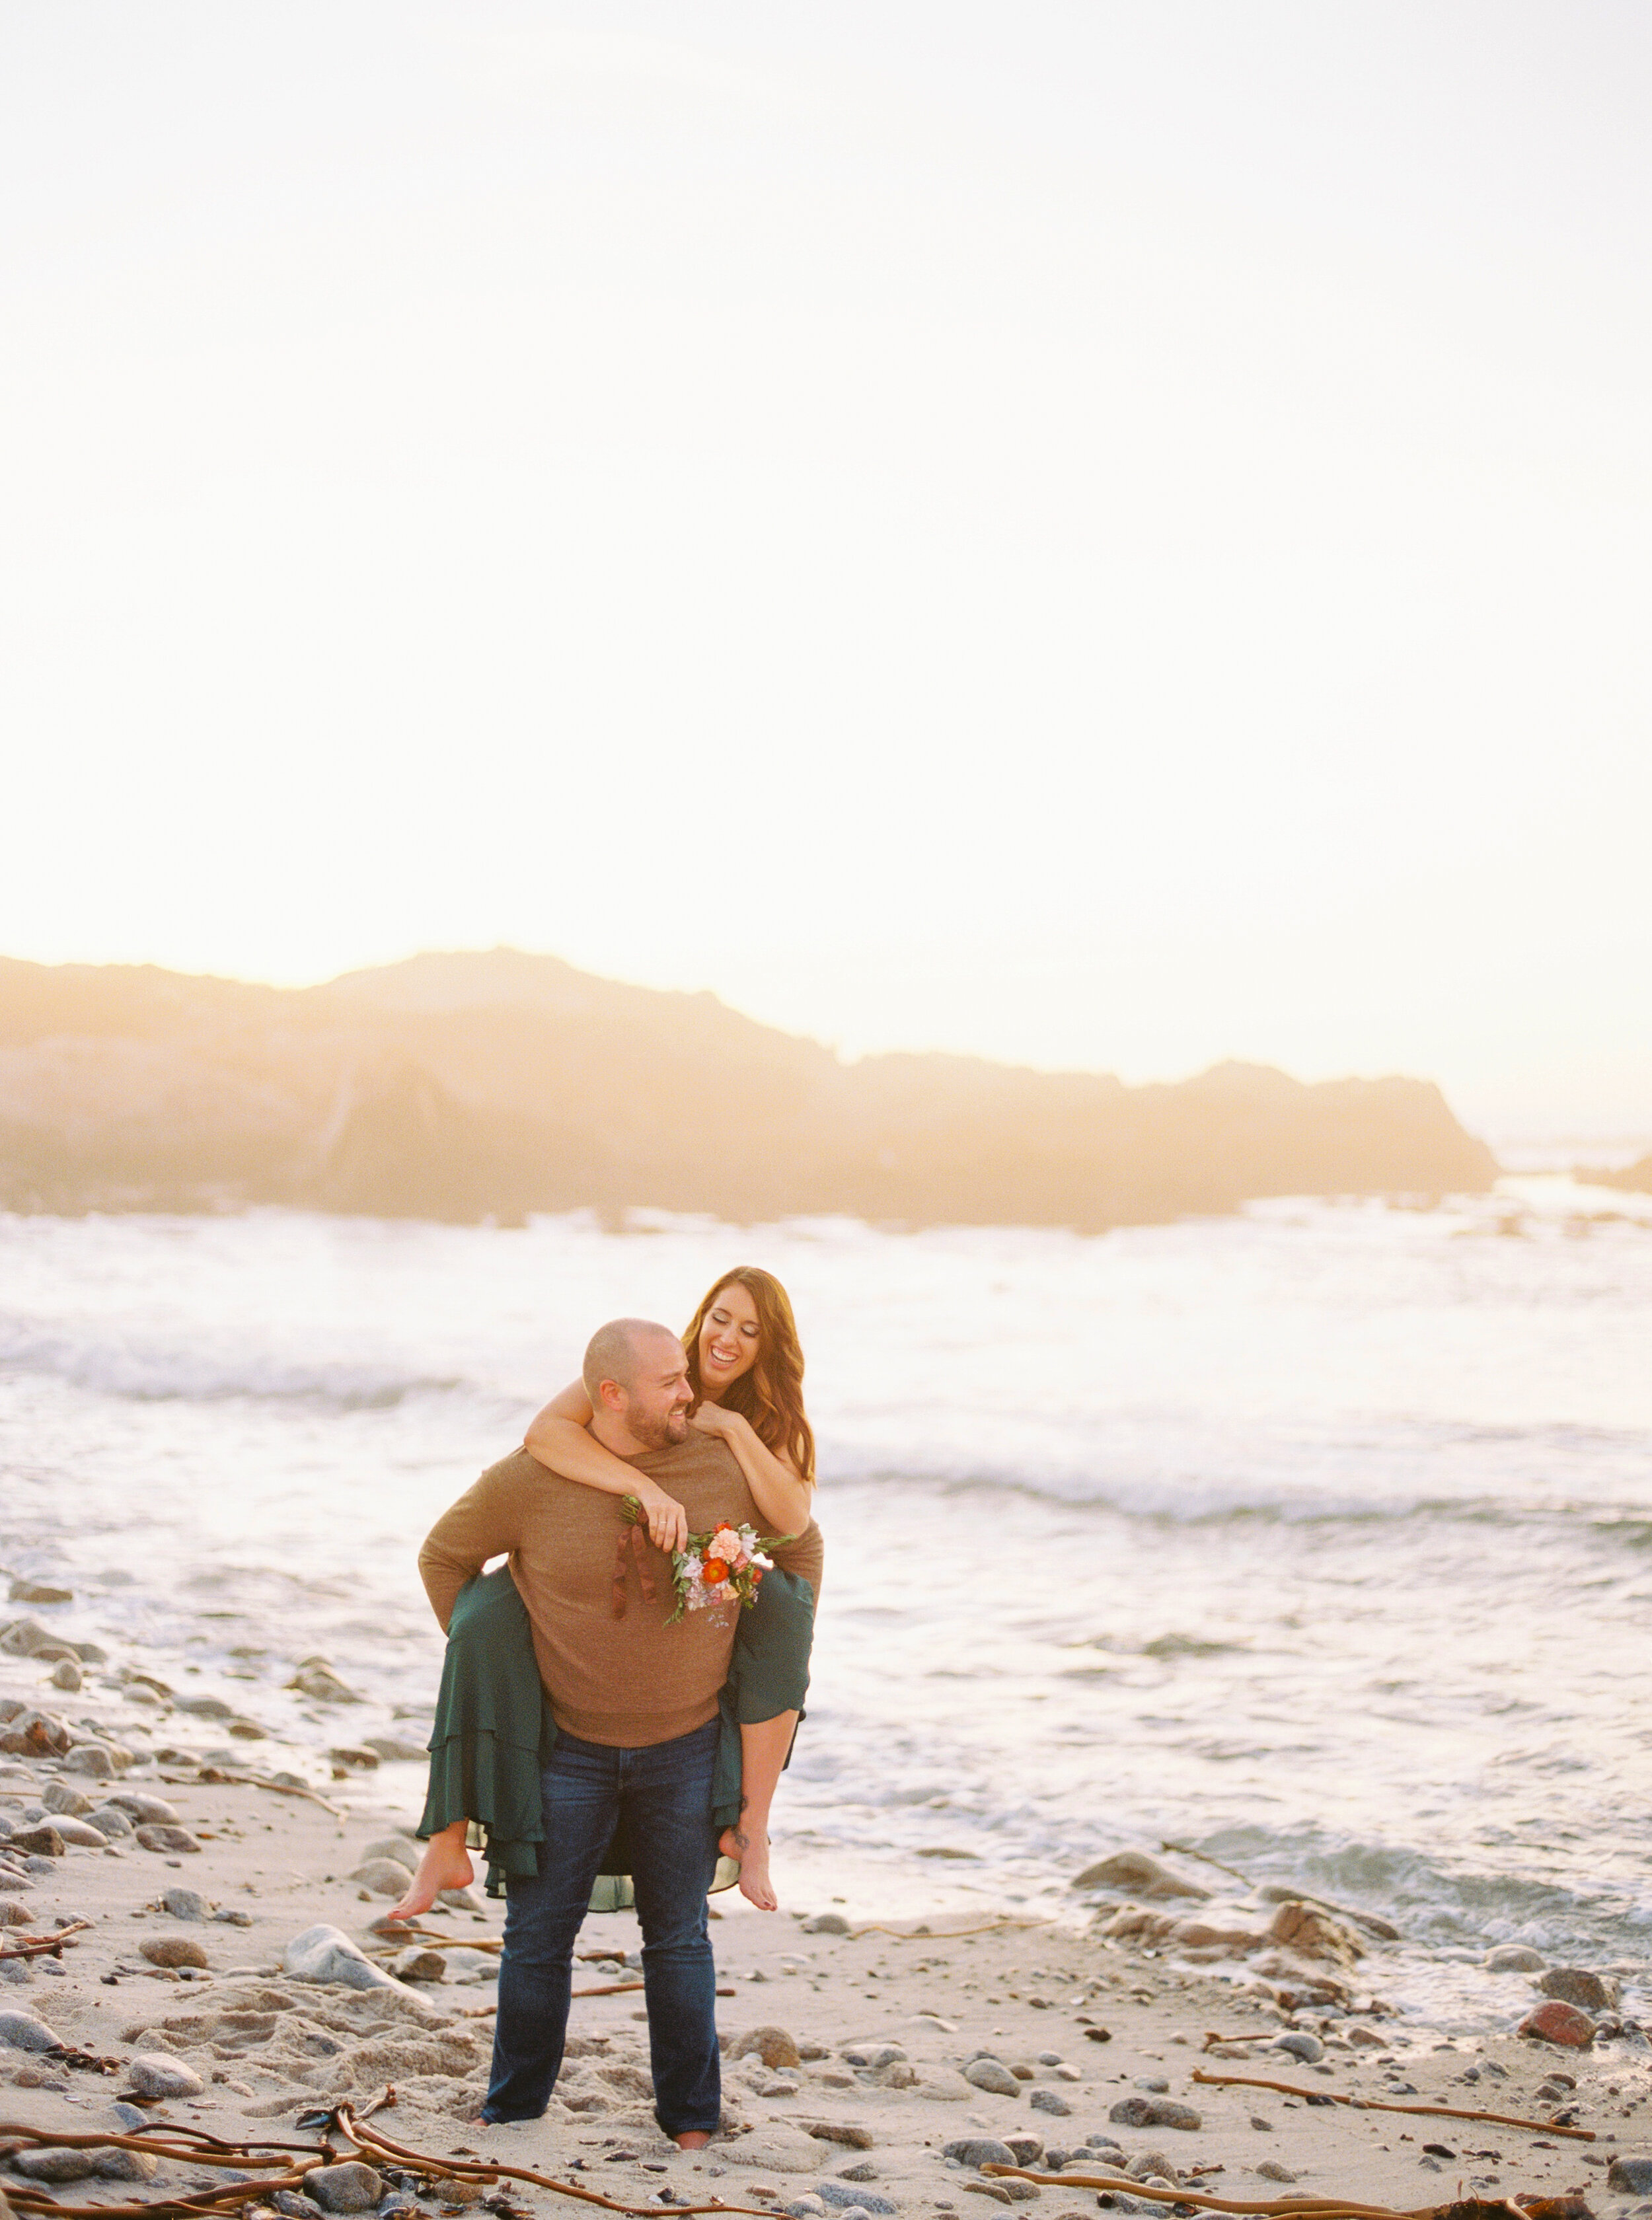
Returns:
<point x="465" y="1087"/>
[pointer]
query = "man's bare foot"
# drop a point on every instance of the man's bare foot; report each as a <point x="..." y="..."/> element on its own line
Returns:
<point x="691" y="2139"/>
<point x="445" y="1864"/>
<point x="749" y="1848"/>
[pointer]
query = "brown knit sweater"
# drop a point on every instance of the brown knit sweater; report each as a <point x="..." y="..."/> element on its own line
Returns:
<point x="623" y="1681"/>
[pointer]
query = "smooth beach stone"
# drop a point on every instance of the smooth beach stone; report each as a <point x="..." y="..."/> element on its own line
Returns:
<point x="1272" y="2170"/>
<point x="66" y="1675"/>
<point x="39" y="1591"/>
<point x="80" y="1833"/>
<point x="185" y="1904"/>
<point x="1046" y="2100"/>
<point x="129" y="2117"/>
<point x="418" y="1964"/>
<point x="231" y="1915"/>
<point x="1555" y="2021"/>
<point x="111" y="1823"/>
<point x="58" y="1796"/>
<point x="14" y="1915"/>
<point x="773" y="2045"/>
<point x="842" y="2198"/>
<point x="351" y="2186"/>
<point x="1632" y="2174"/>
<point x="1513" y="1958"/>
<point x="1140" y="1872"/>
<point x="91" y="1759"/>
<point x="395" y="1749"/>
<point x="825" y="1922"/>
<point x="154" y="2074"/>
<point x="383" y="1877"/>
<point x="316" y="1679"/>
<point x="127" y="2166"/>
<point x="869" y="2053"/>
<point x="847" y="2132"/>
<point x="1299" y="2043"/>
<point x="1574" y="1985"/>
<point x="396" y="1847"/>
<point x="174" y="1840"/>
<point x="144" y="1811"/>
<point x="173" y="1950"/>
<point x="204" y="1707"/>
<point x="993" y="2075"/>
<point x="775" y="2147"/>
<point x="295" y="2206"/>
<point x="806" y="2208"/>
<point x="325" y="1953"/>
<point x="944" y="2087"/>
<point x="42" y="1842"/>
<point x="51" y="2162"/>
<point x="979" y="2150"/>
<point x="1313" y="1933"/>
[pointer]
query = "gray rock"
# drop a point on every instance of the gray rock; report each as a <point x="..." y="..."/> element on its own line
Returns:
<point x="416" y="1963"/>
<point x="66" y="1675"/>
<point x="1140" y="1873"/>
<point x="185" y="1904"/>
<point x="325" y="1953"/>
<point x="147" y="1808"/>
<point x="348" y="2187"/>
<point x="1046" y="2100"/>
<point x="51" y="2162"/>
<point x="993" y="2075"/>
<point x="396" y="1847"/>
<point x="825" y="1922"/>
<point x="382" y="1876"/>
<point x="842" y="2198"/>
<point x="229" y="1915"/>
<point x="395" y="1749"/>
<point x="1632" y="2174"/>
<point x="154" y="2075"/>
<point x="1028" y="2149"/>
<point x="979" y="2150"/>
<point x="24" y="2032"/>
<point x="58" y="1796"/>
<point x="1271" y="2170"/>
<point x="1300" y="2044"/>
<point x="91" y="1759"/>
<point x="296" y="2207"/>
<point x="80" y="1834"/>
<point x="42" y="1841"/>
<point x="862" y="2170"/>
<point x="1153" y="2112"/>
<point x="1155" y="2084"/>
<point x="1575" y="1985"/>
<point x="172" y="1841"/>
<point x="806" y="2208"/>
<point x="316" y="1679"/>
<point x="865" y="2054"/>
<point x="1514" y="1958"/>
<point x="1153" y="2166"/>
<point x="1132" y="2112"/>
<point x="204" y="1707"/>
<point x="111" y="1822"/>
<point x="130" y="2117"/>
<point x="127" y="2166"/>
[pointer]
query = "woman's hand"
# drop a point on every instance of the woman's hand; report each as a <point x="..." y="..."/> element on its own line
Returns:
<point x="668" y="1521"/>
<point x="712" y="1418"/>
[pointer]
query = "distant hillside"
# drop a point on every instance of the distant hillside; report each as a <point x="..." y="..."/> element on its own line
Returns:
<point x="462" y="1087"/>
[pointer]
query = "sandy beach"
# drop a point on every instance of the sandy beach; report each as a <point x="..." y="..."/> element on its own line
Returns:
<point x="847" y="2049"/>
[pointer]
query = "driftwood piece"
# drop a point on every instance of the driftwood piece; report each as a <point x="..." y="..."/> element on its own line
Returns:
<point x="1380" y="2104"/>
<point x="46" y="1946"/>
<point x="1316" y="2208"/>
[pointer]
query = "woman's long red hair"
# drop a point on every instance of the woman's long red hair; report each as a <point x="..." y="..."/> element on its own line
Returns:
<point x="769" y="1397"/>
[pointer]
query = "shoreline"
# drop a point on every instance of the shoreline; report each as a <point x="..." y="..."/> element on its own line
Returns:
<point x="849" y="2083"/>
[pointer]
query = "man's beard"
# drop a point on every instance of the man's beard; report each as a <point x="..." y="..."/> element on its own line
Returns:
<point x="663" y="1431"/>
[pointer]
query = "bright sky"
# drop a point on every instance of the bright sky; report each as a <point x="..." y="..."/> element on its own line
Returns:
<point x="1106" y="536"/>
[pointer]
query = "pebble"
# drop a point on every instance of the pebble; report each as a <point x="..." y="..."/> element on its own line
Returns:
<point x="1271" y="2170"/>
<point x="1140" y="1872"/>
<point x="1300" y="2044"/>
<point x="1575" y="1985"/>
<point x="383" y="1876"/>
<point x="1155" y="2112"/>
<point x="1632" y="2174"/>
<point x="58" y="1796"/>
<point x="156" y="1837"/>
<point x="130" y="2117"/>
<point x="111" y="1822"/>
<point x="979" y="2150"/>
<point x="316" y="1678"/>
<point x="773" y="2045"/>
<point x="871" y="2053"/>
<point x="37" y="1592"/>
<point x="204" y="1707"/>
<point x="808" y="2207"/>
<point x="324" y="1954"/>
<point x="1555" y="2021"/>
<point x="138" y="1806"/>
<point x="1155" y="2085"/>
<point x="350" y="2186"/>
<point x="418" y="1964"/>
<point x="154" y="2075"/>
<point x="91" y="1759"/>
<point x="185" y="1904"/>
<point x="51" y="2162"/>
<point x="80" y="1833"/>
<point x="66" y="1675"/>
<point x="173" y="1950"/>
<point x="1046" y="2100"/>
<point x="1261" y="2126"/>
<point x="397" y="1847"/>
<point x="231" y="1915"/>
<point x="127" y="2166"/>
<point x="993" y="2075"/>
<point x="862" y="2170"/>
<point x="288" y="2201"/>
<point x="825" y="1922"/>
<point x="844" y="2200"/>
<point x="42" y="1842"/>
<point x="395" y="1749"/>
<point x="24" y="2032"/>
<point x="1513" y="1958"/>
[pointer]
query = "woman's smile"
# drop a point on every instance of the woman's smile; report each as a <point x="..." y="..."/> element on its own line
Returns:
<point x="729" y="1340"/>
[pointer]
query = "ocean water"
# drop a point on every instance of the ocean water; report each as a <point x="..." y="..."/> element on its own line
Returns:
<point x="1319" y="1538"/>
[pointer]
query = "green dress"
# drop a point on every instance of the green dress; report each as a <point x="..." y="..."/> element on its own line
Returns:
<point x="494" y="1733"/>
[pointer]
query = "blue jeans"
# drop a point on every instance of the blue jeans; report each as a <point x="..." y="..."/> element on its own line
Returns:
<point x="663" y="1792"/>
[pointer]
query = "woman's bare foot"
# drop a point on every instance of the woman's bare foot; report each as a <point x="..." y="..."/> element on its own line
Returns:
<point x="749" y="1846"/>
<point x="691" y="2139"/>
<point x="445" y="1864"/>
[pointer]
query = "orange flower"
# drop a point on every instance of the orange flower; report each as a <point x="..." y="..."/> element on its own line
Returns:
<point x="713" y="1571"/>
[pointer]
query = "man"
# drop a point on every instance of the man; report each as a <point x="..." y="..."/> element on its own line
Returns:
<point x="635" y="1705"/>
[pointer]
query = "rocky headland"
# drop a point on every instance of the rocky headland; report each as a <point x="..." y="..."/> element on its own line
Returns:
<point x="489" y="1086"/>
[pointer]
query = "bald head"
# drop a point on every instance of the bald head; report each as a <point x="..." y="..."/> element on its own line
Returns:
<point x="622" y="1351"/>
<point x="636" y="1377"/>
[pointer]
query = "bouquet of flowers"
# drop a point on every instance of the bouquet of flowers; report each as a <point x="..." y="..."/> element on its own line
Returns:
<point x="725" y="1565"/>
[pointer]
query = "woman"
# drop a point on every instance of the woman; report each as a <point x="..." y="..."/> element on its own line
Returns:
<point x="745" y="1367"/>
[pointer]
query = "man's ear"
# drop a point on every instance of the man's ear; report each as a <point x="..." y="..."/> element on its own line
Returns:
<point x="611" y="1394"/>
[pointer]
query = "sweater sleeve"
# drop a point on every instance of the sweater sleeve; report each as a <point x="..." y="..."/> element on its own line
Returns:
<point x="486" y="1522"/>
<point x="805" y="1556"/>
